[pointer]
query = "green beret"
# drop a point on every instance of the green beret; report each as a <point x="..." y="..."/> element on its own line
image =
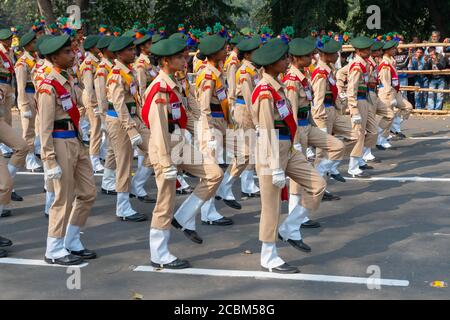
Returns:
<point x="361" y="42"/>
<point x="236" y="39"/>
<point x="90" y="42"/>
<point x="129" y="33"/>
<point x="53" y="44"/>
<point x="5" y="34"/>
<point x="120" y="43"/>
<point x="331" y="46"/>
<point x="178" y="35"/>
<point x="390" y="44"/>
<point x="40" y="41"/>
<point x="156" y="37"/>
<point x="104" y="42"/>
<point x="377" y="45"/>
<point x="168" y="47"/>
<point x="301" y="47"/>
<point x="270" y="53"/>
<point x="211" y="44"/>
<point x="249" y="44"/>
<point x="143" y="39"/>
<point x="27" y="38"/>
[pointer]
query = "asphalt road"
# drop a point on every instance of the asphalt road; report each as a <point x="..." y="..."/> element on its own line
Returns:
<point x="400" y="228"/>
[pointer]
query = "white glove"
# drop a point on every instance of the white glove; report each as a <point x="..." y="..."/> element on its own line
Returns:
<point x="54" y="173"/>
<point x="278" y="178"/>
<point x="356" y="119"/>
<point x="188" y="136"/>
<point x="97" y="111"/>
<point x="212" y="145"/>
<point x="343" y="95"/>
<point x="170" y="173"/>
<point x="394" y="103"/>
<point x="27" y="114"/>
<point x="84" y="128"/>
<point x="298" y="147"/>
<point x="136" y="140"/>
<point x="324" y="130"/>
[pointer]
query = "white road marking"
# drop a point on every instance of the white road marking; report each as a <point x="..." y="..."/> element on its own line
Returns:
<point x="33" y="262"/>
<point x="27" y="173"/>
<point x="430" y="138"/>
<point x="402" y="179"/>
<point x="270" y="275"/>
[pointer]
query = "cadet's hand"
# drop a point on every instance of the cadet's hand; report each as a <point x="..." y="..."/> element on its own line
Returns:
<point x="170" y="173"/>
<point x="187" y="135"/>
<point x="27" y="114"/>
<point x="136" y="140"/>
<point x="97" y="112"/>
<point x="356" y="119"/>
<point x="54" y="173"/>
<point x="84" y="128"/>
<point x="278" y="178"/>
<point x="343" y="95"/>
<point x="394" y="103"/>
<point x="324" y="130"/>
<point x="212" y="145"/>
<point x="298" y="147"/>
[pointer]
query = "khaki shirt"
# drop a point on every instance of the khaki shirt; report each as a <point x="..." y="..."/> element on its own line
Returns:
<point x="101" y="74"/>
<point x="50" y="110"/>
<point x="87" y="72"/>
<point x="230" y="68"/>
<point x="119" y="93"/>
<point x="23" y="68"/>
<point x="161" y="142"/>
<point x="386" y="90"/>
<point x="321" y="86"/>
<point x="4" y="64"/>
<point x="247" y="78"/>
<point x="358" y="79"/>
<point x="40" y="71"/>
<point x="145" y="72"/>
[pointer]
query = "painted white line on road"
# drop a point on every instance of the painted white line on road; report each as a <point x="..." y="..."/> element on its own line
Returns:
<point x="26" y="173"/>
<point x="402" y="179"/>
<point x="270" y="275"/>
<point x="430" y="138"/>
<point x="33" y="262"/>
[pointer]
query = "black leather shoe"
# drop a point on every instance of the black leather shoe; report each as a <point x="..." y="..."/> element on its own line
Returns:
<point x="69" y="260"/>
<point x="310" y="224"/>
<point x="85" y="254"/>
<point x="328" y="196"/>
<point x="366" y="167"/>
<point x="46" y="215"/>
<point x="145" y="198"/>
<point x="190" y="234"/>
<point x="7" y="155"/>
<point x="220" y="222"/>
<point x="362" y="175"/>
<point x="297" y="244"/>
<point x="176" y="264"/>
<point x="5" y="242"/>
<point x="40" y="169"/>
<point x="188" y="190"/>
<point x="376" y="160"/>
<point x="399" y="135"/>
<point x="380" y="147"/>
<point x="109" y="192"/>
<point x="99" y="171"/>
<point x="245" y="195"/>
<point x="231" y="203"/>
<point x="6" y="213"/>
<point x="137" y="217"/>
<point x="15" y="197"/>
<point x="284" y="268"/>
<point x="338" y="177"/>
<point x="3" y="253"/>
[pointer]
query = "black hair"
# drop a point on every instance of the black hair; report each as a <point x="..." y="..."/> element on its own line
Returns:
<point x="201" y="56"/>
<point x="241" y="55"/>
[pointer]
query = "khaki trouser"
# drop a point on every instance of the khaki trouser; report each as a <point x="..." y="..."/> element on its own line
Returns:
<point x="12" y="139"/>
<point x="372" y="123"/>
<point x="219" y="126"/>
<point x="110" y="158"/>
<point x="95" y="138"/>
<point x="75" y="191"/>
<point x="121" y="144"/>
<point x="297" y="168"/>
<point x="313" y="136"/>
<point x="6" y="182"/>
<point x="403" y="108"/>
<point x="29" y="128"/>
<point x="339" y="126"/>
<point x="366" y="130"/>
<point x="210" y="177"/>
<point x="7" y="103"/>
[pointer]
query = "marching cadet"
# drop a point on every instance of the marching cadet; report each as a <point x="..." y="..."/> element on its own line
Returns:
<point x="8" y="135"/>
<point x="300" y="96"/>
<point x="324" y="112"/>
<point x="103" y="69"/>
<point x="278" y="158"/>
<point x="126" y="130"/>
<point x="145" y="72"/>
<point x="389" y="93"/>
<point x="66" y="159"/>
<point x="363" y="124"/>
<point x="245" y="81"/>
<point x="26" y="98"/>
<point x="212" y="99"/>
<point x="164" y="113"/>
<point x="93" y="111"/>
<point x="230" y="68"/>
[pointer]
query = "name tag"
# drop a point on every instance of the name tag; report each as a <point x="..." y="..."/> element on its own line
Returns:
<point x="255" y="81"/>
<point x="153" y="73"/>
<point x="133" y="88"/>
<point x="6" y="65"/>
<point x="66" y="102"/>
<point x="282" y="108"/>
<point x="331" y="80"/>
<point x="366" y="78"/>
<point x="221" y="94"/>
<point x="133" y="110"/>
<point x="308" y="94"/>
<point x="175" y="109"/>
<point x="395" y="82"/>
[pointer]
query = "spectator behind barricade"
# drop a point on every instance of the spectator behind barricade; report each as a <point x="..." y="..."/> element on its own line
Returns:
<point x="402" y="59"/>
<point x="435" y="38"/>
<point x="436" y="61"/>
<point x="418" y="62"/>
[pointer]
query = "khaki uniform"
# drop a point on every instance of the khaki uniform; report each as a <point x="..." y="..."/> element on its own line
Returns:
<point x="145" y="73"/>
<point x="389" y="96"/>
<point x="26" y="97"/>
<point x="6" y="182"/>
<point x="324" y="112"/>
<point x="230" y="67"/>
<point x="192" y="109"/>
<point x="103" y="69"/>
<point x="299" y="93"/>
<point x="75" y="191"/>
<point x="279" y="154"/>
<point x="123" y="122"/>
<point x="6" y="88"/>
<point x="341" y="83"/>
<point x="358" y="103"/>
<point x="164" y="136"/>
<point x="93" y="110"/>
